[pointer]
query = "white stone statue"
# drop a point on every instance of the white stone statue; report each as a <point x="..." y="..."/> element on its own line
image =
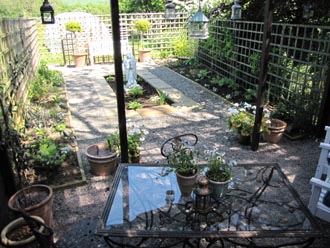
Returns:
<point x="130" y="70"/>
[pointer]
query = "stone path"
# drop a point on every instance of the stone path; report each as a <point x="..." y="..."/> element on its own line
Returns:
<point x="94" y="115"/>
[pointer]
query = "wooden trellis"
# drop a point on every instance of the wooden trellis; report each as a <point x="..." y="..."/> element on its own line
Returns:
<point x="297" y="69"/>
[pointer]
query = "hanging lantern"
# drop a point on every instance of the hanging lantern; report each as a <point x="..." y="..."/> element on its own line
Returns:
<point x="47" y="13"/>
<point x="170" y="10"/>
<point x="202" y="196"/>
<point x="236" y="11"/>
<point x="199" y="26"/>
<point x="308" y="11"/>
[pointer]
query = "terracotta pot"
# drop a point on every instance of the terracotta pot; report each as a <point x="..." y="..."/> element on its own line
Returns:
<point x="102" y="161"/>
<point x="135" y="159"/>
<point x="276" y="131"/>
<point x="144" y="55"/>
<point x="79" y="59"/>
<point x="14" y="226"/>
<point x="243" y="140"/>
<point x="219" y="189"/>
<point x="186" y="183"/>
<point x="36" y="200"/>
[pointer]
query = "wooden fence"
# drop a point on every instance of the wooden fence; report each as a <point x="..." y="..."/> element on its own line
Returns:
<point x="297" y="71"/>
<point x="19" y="59"/>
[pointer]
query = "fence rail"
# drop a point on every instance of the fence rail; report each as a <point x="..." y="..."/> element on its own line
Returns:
<point x="19" y="59"/>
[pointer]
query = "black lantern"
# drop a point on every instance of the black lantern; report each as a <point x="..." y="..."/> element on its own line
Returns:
<point x="47" y="13"/>
<point x="199" y="26"/>
<point x="236" y="11"/>
<point x="308" y="11"/>
<point x="202" y="196"/>
<point x="169" y="10"/>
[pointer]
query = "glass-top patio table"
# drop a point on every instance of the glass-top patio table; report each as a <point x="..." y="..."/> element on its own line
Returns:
<point x="261" y="209"/>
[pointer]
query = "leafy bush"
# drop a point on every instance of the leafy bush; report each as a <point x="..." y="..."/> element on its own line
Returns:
<point x="142" y="26"/>
<point x="134" y="105"/>
<point x="73" y="26"/>
<point x="182" y="47"/>
<point x="135" y="92"/>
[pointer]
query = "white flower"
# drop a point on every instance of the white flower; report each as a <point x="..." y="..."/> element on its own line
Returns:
<point x="268" y="122"/>
<point x="242" y="110"/>
<point x="236" y="104"/>
<point x="266" y="115"/>
<point x="233" y="111"/>
<point x="142" y="139"/>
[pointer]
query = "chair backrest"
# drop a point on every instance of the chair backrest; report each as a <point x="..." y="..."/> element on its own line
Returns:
<point x="323" y="163"/>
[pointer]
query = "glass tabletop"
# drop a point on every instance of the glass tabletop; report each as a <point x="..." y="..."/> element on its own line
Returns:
<point x="260" y="202"/>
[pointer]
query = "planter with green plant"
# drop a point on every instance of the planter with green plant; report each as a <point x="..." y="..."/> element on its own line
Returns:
<point x="79" y="47"/>
<point x="184" y="162"/>
<point x="219" y="172"/>
<point x="143" y="26"/>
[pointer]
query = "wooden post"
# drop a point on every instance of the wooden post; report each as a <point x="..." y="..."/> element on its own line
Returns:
<point x="119" y="80"/>
<point x="268" y="19"/>
<point x="324" y="116"/>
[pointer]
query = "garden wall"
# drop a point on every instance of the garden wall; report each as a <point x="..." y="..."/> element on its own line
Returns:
<point x="19" y="59"/>
<point x="297" y="71"/>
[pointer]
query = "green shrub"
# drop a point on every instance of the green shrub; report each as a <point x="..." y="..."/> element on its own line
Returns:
<point x="142" y="26"/>
<point x="182" y="47"/>
<point x="134" y="105"/>
<point x="135" y="92"/>
<point x="73" y="26"/>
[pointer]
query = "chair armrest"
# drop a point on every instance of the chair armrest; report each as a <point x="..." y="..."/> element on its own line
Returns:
<point x="319" y="183"/>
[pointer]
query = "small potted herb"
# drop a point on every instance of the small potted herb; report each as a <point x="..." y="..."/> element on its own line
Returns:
<point x="184" y="162"/>
<point x="219" y="172"/>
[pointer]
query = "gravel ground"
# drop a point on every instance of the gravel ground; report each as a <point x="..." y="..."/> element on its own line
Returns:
<point x="76" y="210"/>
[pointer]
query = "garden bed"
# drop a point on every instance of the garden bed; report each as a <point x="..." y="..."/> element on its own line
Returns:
<point x="51" y="154"/>
<point x="149" y="98"/>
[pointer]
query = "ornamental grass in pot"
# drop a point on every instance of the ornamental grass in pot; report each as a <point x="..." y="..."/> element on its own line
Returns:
<point x="219" y="172"/>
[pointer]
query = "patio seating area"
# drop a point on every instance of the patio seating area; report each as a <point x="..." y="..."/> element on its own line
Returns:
<point x="93" y="109"/>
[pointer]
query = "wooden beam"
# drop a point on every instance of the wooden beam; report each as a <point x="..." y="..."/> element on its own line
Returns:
<point x="262" y="84"/>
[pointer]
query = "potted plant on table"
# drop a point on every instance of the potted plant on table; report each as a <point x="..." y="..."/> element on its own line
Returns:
<point x="79" y="53"/>
<point x="184" y="162"/>
<point x="219" y="172"/>
<point x="143" y="26"/>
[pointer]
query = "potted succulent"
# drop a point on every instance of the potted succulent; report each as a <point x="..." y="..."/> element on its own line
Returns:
<point x="184" y="162"/>
<point x="103" y="157"/>
<point x="79" y="53"/>
<point x="143" y="26"/>
<point x="219" y="172"/>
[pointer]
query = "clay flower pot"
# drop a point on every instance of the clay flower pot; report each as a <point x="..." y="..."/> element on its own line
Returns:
<point x="186" y="184"/>
<point x="34" y="200"/>
<point x="102" y="161"/>
<point x="276" y="131"/>
<point x="14" y="228"/>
